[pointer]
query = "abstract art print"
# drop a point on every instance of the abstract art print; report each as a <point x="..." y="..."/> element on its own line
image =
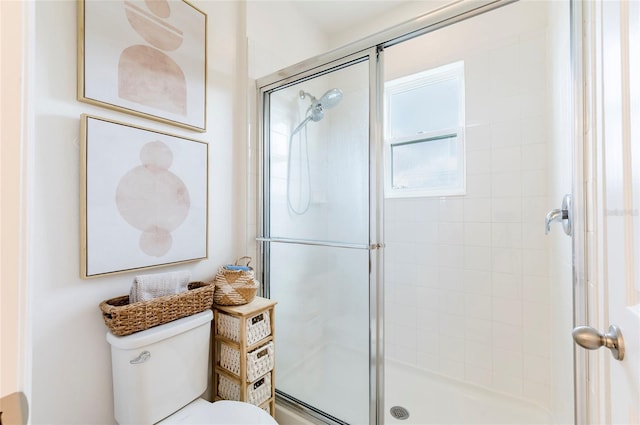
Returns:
<point x="143" y="198"/>
<point x="144" y="57"/>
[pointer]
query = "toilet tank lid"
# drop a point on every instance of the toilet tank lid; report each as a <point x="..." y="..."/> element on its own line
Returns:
<point x="155" y="334"/>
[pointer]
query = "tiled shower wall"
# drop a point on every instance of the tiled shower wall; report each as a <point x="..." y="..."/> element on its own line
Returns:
<point x="467" y="282"/>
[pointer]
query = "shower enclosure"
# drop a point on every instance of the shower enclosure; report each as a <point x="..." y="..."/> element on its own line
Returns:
<point x="404" y="182"/>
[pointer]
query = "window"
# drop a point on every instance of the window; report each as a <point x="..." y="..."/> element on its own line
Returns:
<point x="424" y="133"/>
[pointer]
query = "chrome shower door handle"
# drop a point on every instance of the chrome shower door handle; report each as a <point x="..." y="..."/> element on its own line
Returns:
<point x="562" y="215"/>
<point x="589" y="338"/>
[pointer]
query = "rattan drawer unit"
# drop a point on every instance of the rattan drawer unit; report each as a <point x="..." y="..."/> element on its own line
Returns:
<point x="244" y="353"/>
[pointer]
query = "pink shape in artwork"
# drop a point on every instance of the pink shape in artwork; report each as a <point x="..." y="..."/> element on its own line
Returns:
<point x="153" y="199"/>
<point x="147" y="75"/>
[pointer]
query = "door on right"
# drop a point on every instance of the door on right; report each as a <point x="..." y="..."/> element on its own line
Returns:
<point x="612" y="173"/>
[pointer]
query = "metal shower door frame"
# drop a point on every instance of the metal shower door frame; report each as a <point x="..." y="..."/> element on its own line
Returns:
<point x="374" y="245"/>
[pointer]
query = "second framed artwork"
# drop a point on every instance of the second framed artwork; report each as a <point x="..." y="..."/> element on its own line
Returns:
<point x="147" y="58"/>
<point x="143" y="198"/>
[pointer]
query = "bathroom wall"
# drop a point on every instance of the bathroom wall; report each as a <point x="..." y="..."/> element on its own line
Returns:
<point x="71" y="360"/>
<point x="467" y="277"/>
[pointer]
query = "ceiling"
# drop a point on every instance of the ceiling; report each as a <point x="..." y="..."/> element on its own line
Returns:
<point x="336" y="16"/>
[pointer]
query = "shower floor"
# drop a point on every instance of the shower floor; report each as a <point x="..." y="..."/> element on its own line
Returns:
<point x="431" y="399"/>
<point x="335" y="381"/>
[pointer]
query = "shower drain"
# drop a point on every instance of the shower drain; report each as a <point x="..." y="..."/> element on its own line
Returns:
<point x="399" y="412"/>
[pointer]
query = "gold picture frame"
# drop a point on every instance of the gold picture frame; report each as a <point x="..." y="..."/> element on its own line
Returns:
<point x="143" y="198"/>
<point x="144" y="58"/>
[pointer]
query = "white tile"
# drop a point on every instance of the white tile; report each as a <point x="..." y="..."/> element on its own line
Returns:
<point x="477" y="137"/>
<point x="507" y="285"/>
<point x="536" y="314"/>
<point x="507" y="260"/>
<point x="427" y="277"/>
<point x="451" y="303"/>
<point x="538" y="393"/>
<point x="478" y="331"/>
<point x="534" y="183"/>
<point x="534" y="129"/>
<point x="426" y="254"/>
<point x="478" y="306"/>
<point x="477" y="210"/>
<point x="479" y="186"/>
<point x="506" y="159"/>
<point x="450" y="256"/>
<point x="532" y="104"/>
<point x="405" y="337"/>
<point x="451" y="278"/>
<point x="534" y="209"/>
<point x="479" y="355"/>
<point x="535" y="288"/>
<point x="534" y="157"/>
<point x="533" y="236"/>
<point x="507" y="311"/>
<point x="478" y="376"/>
<point x="451" y="368"/>
<point x="478" y="162"/>
<point x="508" y="337"/>
<point x="428" y="298"/>
<point x="506" y="210"/>
<point x="452" y="349"/>
<point x="427" y="210"/>
<point x="477" y="282"/>
<point x="537" y="341"/>
<point x="477" y="258"/>
<point x="508" y="362"/>
<point x="534" y="262"/>
<point x="537" y="369"/>
<point x="509" y="384"/>
<point x="505" y="185"/>
<point x="451" y="209"/>
<point x="506" y="133"/>
<point x="506" y="235"/>
<point x="451" y="233"/>
<point x="504" y="64"/>
<point x="426" y="343"/>
<point x="427" y="362"/>
<point x="477" y="234"/>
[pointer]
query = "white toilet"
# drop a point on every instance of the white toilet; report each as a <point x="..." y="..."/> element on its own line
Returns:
<point x="160" y="373"/>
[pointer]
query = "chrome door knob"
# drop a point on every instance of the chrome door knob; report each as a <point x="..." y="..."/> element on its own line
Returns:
<point x="591" y="339"/>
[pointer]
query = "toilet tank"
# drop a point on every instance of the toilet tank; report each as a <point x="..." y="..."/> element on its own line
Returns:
<point x="160" y="370"/>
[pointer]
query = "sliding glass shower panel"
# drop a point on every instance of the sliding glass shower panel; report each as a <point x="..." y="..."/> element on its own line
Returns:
<point x="323" y="327"/>
<point x="317" y="240"/>
<point x="319" y="158"/>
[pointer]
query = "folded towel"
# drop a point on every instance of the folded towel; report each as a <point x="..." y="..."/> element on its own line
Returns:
<point x="237" y="268"/>
<point x="146" y="287"/>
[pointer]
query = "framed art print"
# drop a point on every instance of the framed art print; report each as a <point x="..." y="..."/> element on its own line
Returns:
<point x="147" y="58"/>
<point x="143" y="198"/>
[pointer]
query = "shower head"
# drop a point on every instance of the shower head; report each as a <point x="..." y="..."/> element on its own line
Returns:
<point x="328" y="100"/>
<point x="331" y="98"/>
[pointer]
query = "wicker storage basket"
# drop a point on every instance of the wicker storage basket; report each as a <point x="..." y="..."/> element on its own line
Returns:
<point x="258" y="327"/>
<point x="235" y="287"/>
<point x="259" y="361"/>
<point x="123" y="318"/>
<point x="258" y="391"/>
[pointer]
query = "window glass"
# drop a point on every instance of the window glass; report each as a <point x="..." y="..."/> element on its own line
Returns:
<point x="424" y="127"/>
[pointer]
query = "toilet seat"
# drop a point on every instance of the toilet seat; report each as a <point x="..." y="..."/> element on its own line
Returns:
<point x="224" y="412"/>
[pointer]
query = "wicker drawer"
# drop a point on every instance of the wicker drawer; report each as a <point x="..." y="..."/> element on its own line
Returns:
<point x="258" y="391"/>
<point x="258" y="327"/>
<point x="259" y="361"/>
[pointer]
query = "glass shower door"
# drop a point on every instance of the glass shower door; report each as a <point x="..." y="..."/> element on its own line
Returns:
<point x="316" y="239"/>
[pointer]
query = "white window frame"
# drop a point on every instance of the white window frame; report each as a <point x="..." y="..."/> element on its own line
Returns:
<point x="450" y="71"/>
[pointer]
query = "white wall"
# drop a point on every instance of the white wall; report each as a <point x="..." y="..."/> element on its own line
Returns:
<point x="467" y="278"/>
<point x="71" y="359"/>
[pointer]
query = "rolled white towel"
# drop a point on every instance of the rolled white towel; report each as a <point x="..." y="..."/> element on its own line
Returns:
<point x="146" y="287"/>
